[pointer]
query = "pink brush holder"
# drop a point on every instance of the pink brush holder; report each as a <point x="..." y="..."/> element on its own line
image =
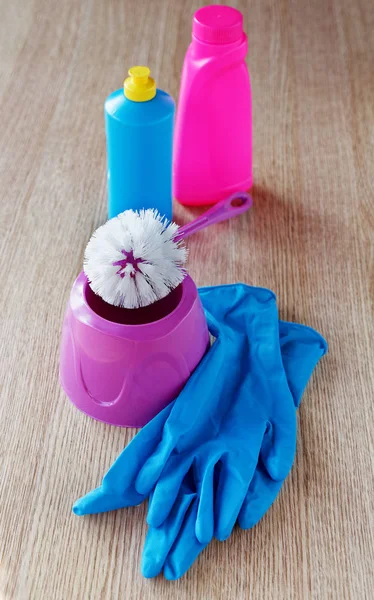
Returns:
<point x="123" y="366"/>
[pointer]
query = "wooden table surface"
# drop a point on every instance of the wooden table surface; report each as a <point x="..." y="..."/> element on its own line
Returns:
<point x="309" y="238"/>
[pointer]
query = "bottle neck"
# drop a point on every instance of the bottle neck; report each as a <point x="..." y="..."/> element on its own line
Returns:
<point x="201" y="49"/>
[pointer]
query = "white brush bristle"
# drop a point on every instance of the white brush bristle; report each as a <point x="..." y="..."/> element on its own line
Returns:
<point x="134" y="260"/>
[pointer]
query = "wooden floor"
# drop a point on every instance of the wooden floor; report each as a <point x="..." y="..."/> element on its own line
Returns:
<point x="309" y="238"/>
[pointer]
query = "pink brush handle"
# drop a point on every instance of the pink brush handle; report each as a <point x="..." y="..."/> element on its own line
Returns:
<point x="233" y="206"/>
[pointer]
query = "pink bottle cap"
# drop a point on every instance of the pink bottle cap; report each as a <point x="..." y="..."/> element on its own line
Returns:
<point x="217" y="24"/>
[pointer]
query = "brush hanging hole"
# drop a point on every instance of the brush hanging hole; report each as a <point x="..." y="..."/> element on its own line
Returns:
<point x="238" y="201"/>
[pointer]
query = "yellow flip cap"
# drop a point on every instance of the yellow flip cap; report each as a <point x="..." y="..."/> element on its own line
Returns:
<point x="139" y="87"/>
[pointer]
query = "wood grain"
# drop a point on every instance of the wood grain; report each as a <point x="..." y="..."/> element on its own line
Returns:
<point x="309" y="238"/>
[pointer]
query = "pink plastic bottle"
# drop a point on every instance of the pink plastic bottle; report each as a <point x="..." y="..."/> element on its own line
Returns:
<point x="213" y="135"/>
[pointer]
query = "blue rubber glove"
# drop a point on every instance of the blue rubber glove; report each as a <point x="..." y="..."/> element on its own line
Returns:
<point x="173" y="546"/>
<point x="240" y="313"/>
<point x="221" y="415"/>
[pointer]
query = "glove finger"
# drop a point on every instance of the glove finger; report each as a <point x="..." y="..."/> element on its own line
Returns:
<point x="236" y="474"/>
<point x="117" y="489"/>
<point x="186" y="547"/>
<point x="167" y="489"/>
<point x="205" y="514"/>
<point x="100" y="500"/>
<point x="230" y="497"/>
<point x="160" y="540"/>
<point x="279" y="445"/>
<point x="154" y="465"/>
<point x="261" y="495"/>
<point x="125" y="468"/>
<point x="301" y="349"/>
<point x="231" y="492"/>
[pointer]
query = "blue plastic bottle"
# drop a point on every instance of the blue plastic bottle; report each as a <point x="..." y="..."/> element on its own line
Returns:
<point x="139" y="122"/>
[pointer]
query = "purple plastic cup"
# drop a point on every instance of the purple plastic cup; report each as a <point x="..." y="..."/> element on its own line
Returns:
<point x="123" y="366"/>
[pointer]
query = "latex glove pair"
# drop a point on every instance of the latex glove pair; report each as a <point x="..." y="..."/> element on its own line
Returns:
<point x="222" y="449"/>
